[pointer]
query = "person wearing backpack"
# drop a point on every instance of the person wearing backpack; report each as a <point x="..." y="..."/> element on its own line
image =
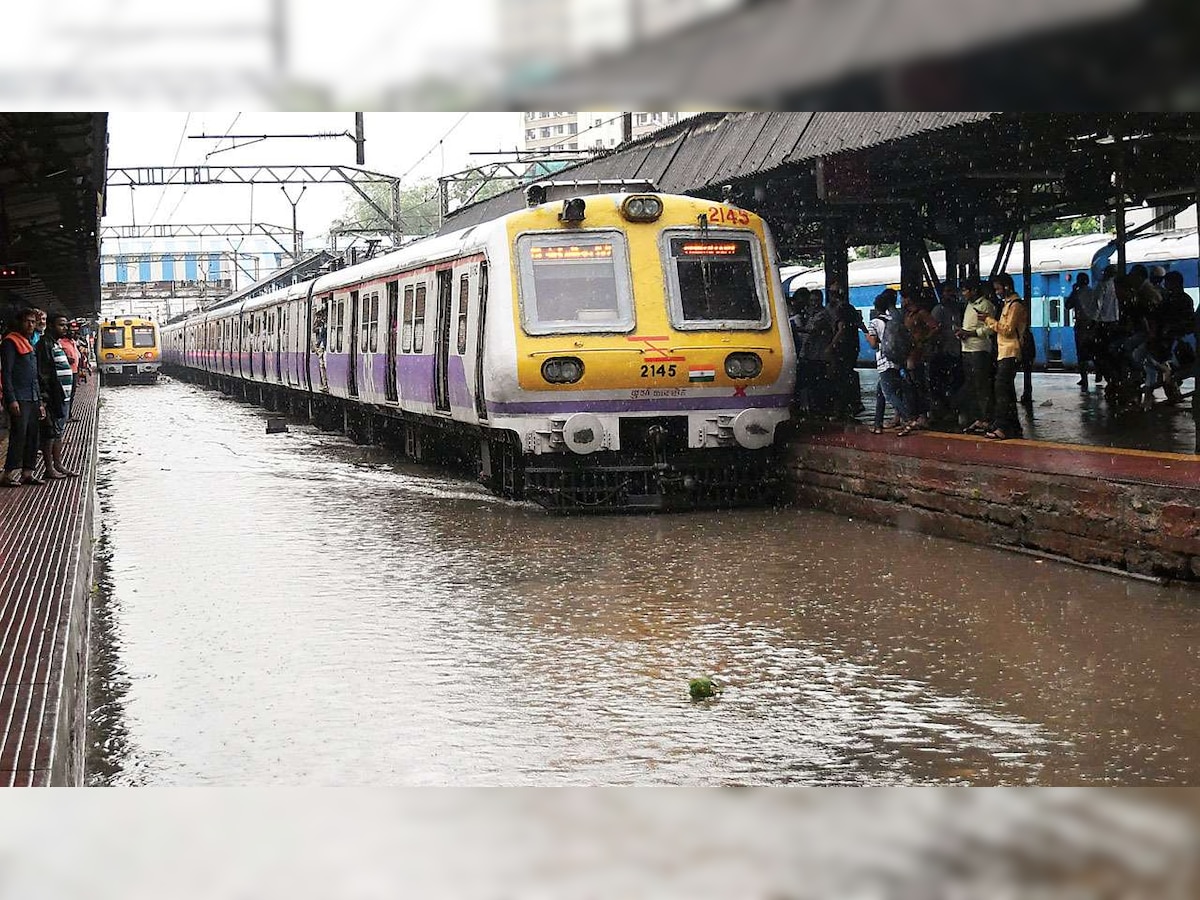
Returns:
<point x="976" y="340"/>
<point x="890" y="388"/>
<point x="1009" y="329"/>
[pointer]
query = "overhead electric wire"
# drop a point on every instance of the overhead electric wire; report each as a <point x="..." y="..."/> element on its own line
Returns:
<point x="174" y="157"/>
<point x="189" y="187"/>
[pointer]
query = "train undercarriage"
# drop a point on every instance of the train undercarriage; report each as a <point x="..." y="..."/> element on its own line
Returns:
<point x="642" y="478"/>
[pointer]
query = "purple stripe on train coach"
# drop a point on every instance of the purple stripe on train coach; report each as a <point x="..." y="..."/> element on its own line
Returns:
<point x="460" y="396"/>
<point x="649" y="404"/>
<point x="416" y="378"/>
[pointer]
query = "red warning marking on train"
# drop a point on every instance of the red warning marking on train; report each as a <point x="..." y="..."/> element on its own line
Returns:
<point x="664" y="353"/>
<point x="739" y="392"/>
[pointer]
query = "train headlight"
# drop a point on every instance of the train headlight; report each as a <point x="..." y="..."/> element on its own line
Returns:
<point x="641" y="208"/>
<point x="743" y="365"/>
<point x="562" y="369"/>
<point x="110" y="356"/>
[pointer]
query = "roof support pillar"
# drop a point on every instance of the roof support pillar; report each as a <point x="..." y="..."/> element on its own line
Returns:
<point x="1026" y="261"/>
<point x="953" y="248"/>
<point x="837" y="258"/>
<point x="912" y="251"/>
<point x="1119" y="183"/>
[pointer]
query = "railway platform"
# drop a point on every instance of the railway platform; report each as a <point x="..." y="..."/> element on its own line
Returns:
<point x="46" y="544"/>
<point x="1121" y="493"/>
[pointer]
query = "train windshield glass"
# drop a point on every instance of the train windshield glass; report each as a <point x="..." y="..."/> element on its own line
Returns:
<point x="575" y="282"/>
<point x="715" y="281"/>
<point x="143" y="336"/>
<point x="112" y="338"/>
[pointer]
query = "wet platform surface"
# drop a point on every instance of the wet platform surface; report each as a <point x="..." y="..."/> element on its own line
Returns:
<point x="1062" y="414"/>
<point x="45" y="562"/>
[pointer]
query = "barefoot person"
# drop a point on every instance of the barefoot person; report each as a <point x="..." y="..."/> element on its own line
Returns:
<point x="22" y="400"/>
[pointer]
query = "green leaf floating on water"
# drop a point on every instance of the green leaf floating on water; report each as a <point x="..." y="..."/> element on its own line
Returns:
<point x="702" y="688"/>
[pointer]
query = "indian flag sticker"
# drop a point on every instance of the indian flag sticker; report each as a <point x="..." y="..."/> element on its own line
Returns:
<point x="701" y="374"/>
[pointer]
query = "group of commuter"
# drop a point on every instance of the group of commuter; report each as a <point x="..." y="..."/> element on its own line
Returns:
<point x="1133" y="330"/>
<point x="42" y="358"/>
<point x="826" y="333"/>
<point x="951" y="362"/>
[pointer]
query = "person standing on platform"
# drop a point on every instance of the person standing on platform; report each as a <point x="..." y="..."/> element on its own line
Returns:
<point x="945" y="362"/>
<point x="1009" y="329"/>
<point x="843" y="353"/>
<point x="67" y="342"/>
<point x="890" y="387"/>
<point x="1108" y="321"/>
<point x="22" y="400"/>
<point x="978" y="358"/>
<point x="57" y="384"/>
<point x="817" y="353"/>
<point x="1082" y="304"/>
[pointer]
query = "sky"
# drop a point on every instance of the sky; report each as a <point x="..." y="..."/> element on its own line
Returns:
<point x="413" y="145"/>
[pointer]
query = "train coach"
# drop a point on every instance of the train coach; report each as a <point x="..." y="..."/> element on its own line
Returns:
<point x="595" y="351"/>
<point x="129" y="351"/>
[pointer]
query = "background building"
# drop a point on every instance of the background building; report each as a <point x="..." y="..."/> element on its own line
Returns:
<point x="588" y="130"/>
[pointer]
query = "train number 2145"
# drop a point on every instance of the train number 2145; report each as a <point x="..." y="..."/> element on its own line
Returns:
<point x="659" y="371"/>
<point x="725" y="215"/>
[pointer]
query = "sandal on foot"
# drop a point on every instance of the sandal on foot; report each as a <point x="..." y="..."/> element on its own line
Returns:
<point x="876" y="430"/>
<point x="33" y="479"/>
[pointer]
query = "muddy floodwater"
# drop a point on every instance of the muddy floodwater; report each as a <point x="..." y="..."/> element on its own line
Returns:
<point x="293" y="609"/>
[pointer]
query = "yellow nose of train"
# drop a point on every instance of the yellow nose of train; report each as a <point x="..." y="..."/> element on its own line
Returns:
<point x="643" y="296"/>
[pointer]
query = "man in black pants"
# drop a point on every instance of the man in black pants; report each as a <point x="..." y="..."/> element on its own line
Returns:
<point x="22" y="400"/>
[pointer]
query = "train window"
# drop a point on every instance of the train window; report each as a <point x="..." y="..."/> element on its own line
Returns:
<point x="406" y="334"/>
<point x="715" y="280"/>
<point x="464" y="286"/>
<point x="575" y="282"/>
<point x="374" y="321"/>
<point x="112" y="338"/>
<point x="341" y="325"/>
<point x="419" y="320"/>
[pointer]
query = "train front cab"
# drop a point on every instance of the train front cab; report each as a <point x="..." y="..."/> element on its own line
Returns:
<point x="652" y="371"/>
<point x="129" y="351"/>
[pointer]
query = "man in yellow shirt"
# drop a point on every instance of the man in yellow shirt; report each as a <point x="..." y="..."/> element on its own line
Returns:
<point x="1009" y="330"/>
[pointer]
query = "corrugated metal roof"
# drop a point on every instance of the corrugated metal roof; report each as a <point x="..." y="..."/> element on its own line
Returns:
<point x="687" y="170"/>
<point x="831" y="133"/>
<point x="707" y="150"/>
<point x="742" y="131"/>
<point x="780" y="134"/>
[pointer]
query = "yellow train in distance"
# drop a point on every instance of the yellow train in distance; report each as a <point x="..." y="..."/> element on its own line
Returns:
<point x="128" y="350"/>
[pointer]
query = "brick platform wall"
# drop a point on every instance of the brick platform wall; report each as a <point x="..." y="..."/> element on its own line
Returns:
<point x="1111" y="520"/>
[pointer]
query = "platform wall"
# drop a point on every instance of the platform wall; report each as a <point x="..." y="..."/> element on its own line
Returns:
<point x="1144" y="528"/>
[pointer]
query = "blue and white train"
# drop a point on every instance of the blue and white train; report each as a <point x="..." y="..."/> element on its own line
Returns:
<point x="1055" y="263"/>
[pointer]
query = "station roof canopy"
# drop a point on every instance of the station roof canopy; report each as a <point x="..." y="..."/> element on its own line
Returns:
<point x="940" y="173"/>
<point x="52" y="173"/>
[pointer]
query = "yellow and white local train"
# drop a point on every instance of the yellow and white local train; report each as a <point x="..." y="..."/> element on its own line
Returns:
<point x="613" y="351"/>
<point x="128" y="349"/>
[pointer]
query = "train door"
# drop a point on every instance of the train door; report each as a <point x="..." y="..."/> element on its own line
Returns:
<point x="480" y="400"/>
<point x="352" y="384"/>
<point x="441" y="342"/>
<point x="1052" y="318"/>
<point x="393" y="312"/>
<point x="280" y="317"/>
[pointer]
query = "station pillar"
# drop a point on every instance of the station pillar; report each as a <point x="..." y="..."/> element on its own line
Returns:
<point x="912" y="253"/>
<point x="837" y="257"/>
